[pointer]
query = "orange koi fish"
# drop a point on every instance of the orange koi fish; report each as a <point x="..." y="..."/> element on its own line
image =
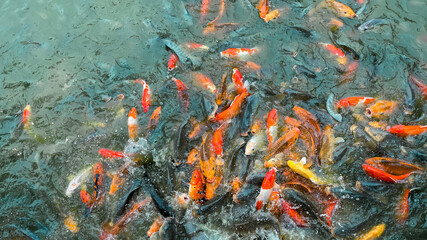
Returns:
<point x="354" y="101"/>
<point x="204" y="10"/>
<point x="132" y="124"/>
<point x="285" y="142"/>
<point x="271" y="15"/>
<point x="182" y="93"/>
<point x="333" y="50"/>
<point x="238" y="80"/>
<point x="146" y="95"/>
<point x="234" y="108"/>
<point x="204" y="82"/>
<point x="220" y="13"/>
<point x="252" y="66"/>
<point x="193" y="156"/>
<point x="211" y="187"/>
<point x="208" y="161"/>
<point x="295" y="216"/>
<point x="341" y="9"/>
<point x="273" y="204"/>
<point x="173" y="61"/>
<point x="26" y="116"/>
<point x="196" y="190"/>
<point x="256" y="126"/>
<point x="336" y="23"/>
<point x="403" y="130"/>
<point x="292" y="122"/>
<point x="239" y="53"/>
<point x="382" y="175"/>
<point x="329" y="210"/>
<point x="381" y="109"/>
<point x="351" y="71"/>
<point x="109" y="232"/>
<point x="392" y="165"/>
<point x="107" y="153"/>
<point x="420" y="85"/>
<point x="71" y="224"/>
<point x="217" y="140"/>
<point x="374" y="233"/>
<point x="402" y="208"/>
<point x="86" y="198"/>
<point x="119" y="178"/>
<point x="193" y="45"/>
<point x="272" y="126"/>
<point x="98" y="180"/>
<point x="266" y="189"/>
<point x="154" y="119"/>
<point x="155" y="226"/>
<point x="263" y="8"/>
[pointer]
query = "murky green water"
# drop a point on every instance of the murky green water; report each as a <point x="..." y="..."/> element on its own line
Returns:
<point x="71" y="59"/>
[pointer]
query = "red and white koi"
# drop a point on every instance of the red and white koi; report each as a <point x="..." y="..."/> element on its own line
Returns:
<point x="146" y="95"/>
<point x="354" y="101"/>
<point x="107" y="153"/>
<point x="266" y="189"/>
<point x="238" y="80"/>
<point x="26" y="117"/>
<point x="193" y="45"/>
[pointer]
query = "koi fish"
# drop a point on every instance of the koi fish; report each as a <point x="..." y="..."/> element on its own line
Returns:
<point x="402" y="208"/>
<point x="295" y="216"/>
<point x="108" y="232"/>
<point x="193" y="156"/>
<point x="305" y="172"/>
<point x="392" y="165"/>
<point x="220" y="13"/>
<point x="341" y="9"/>
<point x="204" y="10"/>
<point x="211" y="187"/>
<point x="173" y="61"/>
<point x="336" y="23"/>
<point x="193" y="45"/>
<point x="239" y="53"/>
<point x="77" y="181"/>
<point x="146" y="95"/>
<point x="381" y="109"/>
<point x="374" y="233"/>
<point x="341" y="58"/>
<point x="329" y="210"/>
<point x="263" y="8"/>
<point x="255" y="143"/>
<point x="234" y="108"/>
<point x="107" y="153"/>
<point x="132" y="124"/>
<point x="273" y="204"/>
<point x="183" y="200"/>
<point x="350" y="71"/>
<point x="204" y="82"/>
<point x="421" y="86"/>
<point x="217" y="140"/>
<point x="26" y="116"/>
<point x="354" y="101"/>
<point x="70" y="224"/>
<point x="272" y="126"/>
<point x="309" y="121"/>
<point x="196" y="190"/>
<point x="119" y="178"/>
<point x="382" y="175"/>
<point x="155" y="227"/>
<point x="86" y="198"/>
<point x="271" y="15"/>
<point x="285" y="142"/>
<point x="208" y="161"/>
<point x="98" y="180"/>
<point x="238" y="80"/>
<point x="404" y="130"/>
<point x="328" y="145"/>
<point x="182" y="93"/>
<point x="154" y="119"/>
<point x="198" y="129"/>
<point x="331" y="107"/>
<point x="266" y="189"/>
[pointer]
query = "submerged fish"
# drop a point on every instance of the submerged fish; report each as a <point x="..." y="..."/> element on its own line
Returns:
<point x="77" y="181"/>
<point x="372" y="23"/>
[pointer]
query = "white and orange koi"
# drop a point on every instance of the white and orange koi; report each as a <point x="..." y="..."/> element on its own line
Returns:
<point x="272" y="126"/>
<point x="239" y="53"/>
<point x="204" y="82"/>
